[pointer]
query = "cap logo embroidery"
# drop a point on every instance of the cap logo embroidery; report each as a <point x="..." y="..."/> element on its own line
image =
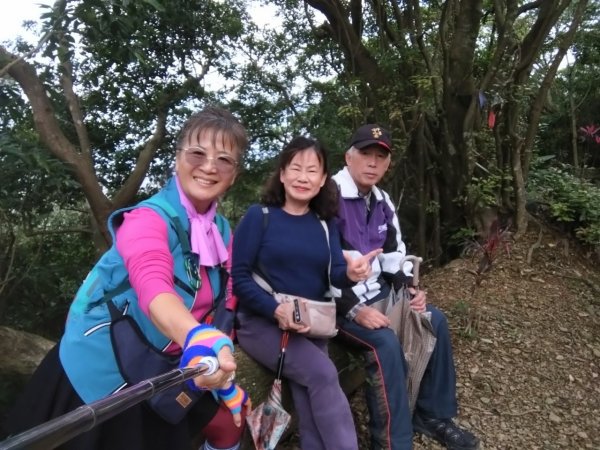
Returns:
<point x="376" y="132"/>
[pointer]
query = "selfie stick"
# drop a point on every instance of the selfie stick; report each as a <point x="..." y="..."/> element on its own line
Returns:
<point x="59" y="430"/>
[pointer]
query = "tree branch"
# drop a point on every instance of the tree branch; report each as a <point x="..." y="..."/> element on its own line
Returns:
<point x="563" y="44"/>
<point x="131" y="186"/>
<point x="529" y="6"/>
<point x="9" y="252"/>
<point x="549" y="12"/>
<point x="126" y="194"/>
<point x="75" y="109"/>
<point x="358" y="59"/>
<point x="4" y="70"/>
<point x="47" y="125"/>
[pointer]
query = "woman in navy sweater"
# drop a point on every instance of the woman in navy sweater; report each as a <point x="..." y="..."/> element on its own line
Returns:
<point x="287" y="245"/>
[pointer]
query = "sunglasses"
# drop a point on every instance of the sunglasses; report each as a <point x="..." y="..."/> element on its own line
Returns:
<point x="196" y="156"/>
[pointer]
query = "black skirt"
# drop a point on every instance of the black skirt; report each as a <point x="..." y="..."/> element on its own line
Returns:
<point x="49" y="394"/>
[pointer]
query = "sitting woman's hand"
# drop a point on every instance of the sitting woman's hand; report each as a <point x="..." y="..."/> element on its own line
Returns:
<point x="207" y="341"/>
<point x="235" y="398"/>
<point x="284" y="314"/>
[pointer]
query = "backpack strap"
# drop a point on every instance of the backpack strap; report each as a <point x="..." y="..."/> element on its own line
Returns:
<point x="329" y="292"/>
<point x="262" y="271"/>
<point x="191" y="260"/>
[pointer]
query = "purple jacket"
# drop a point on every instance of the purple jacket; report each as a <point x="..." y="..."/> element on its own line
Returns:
<point x="364" y="229"/>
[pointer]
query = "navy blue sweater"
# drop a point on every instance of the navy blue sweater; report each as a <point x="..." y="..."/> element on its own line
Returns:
<point x="292" y="254"/>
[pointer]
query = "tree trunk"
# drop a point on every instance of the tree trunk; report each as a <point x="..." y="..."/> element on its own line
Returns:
<point x="445" y="116"/>
<point x="535" y="112"/>
<point x="573" y="132"/>
<point x="420" y="150"/>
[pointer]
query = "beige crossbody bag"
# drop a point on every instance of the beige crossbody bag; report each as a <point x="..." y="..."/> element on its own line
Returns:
<point x="320" y="316"/>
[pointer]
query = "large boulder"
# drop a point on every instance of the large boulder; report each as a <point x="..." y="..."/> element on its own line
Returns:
<point x="20" y="354"/>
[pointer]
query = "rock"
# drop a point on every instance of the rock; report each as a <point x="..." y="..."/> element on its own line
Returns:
<point x="21" y="352"/>
<point x="554" y="418"/>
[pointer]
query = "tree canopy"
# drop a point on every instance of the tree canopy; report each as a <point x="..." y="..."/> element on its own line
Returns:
<point x="476" y="93"/>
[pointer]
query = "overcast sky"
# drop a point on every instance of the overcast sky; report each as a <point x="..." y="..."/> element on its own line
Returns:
<point x="11" y="25"/>
<point x="12" y="17"/>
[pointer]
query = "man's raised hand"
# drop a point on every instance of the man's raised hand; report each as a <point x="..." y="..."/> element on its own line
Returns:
<point x="359" y="269"/>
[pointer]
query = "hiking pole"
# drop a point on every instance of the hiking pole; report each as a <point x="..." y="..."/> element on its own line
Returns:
<point x="59" y="430"/>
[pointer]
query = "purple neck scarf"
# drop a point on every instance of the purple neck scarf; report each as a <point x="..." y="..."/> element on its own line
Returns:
<point x="205" y="238"/>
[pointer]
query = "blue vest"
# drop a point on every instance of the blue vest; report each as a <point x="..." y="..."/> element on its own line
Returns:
<point x="86" y="351"/>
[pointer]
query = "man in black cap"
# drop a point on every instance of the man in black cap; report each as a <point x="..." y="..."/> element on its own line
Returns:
<point x="367" y="221"/>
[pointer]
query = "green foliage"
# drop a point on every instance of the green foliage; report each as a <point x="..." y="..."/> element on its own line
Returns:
<point x="460" y="237"/>
<point x="129" y="60"/>
<point x="571" y="201"/>
<point x="575" y="97"/>
<point x="47" y="269"/>
<point x="245" y="191"/>
<point x="132" y="58"/>
<point x="484" y="191"/>
<point x="432" y="207"/>
<point x="45" y="245"/>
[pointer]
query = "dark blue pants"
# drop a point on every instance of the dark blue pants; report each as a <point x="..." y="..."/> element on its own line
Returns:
<point x="387" y="399"/>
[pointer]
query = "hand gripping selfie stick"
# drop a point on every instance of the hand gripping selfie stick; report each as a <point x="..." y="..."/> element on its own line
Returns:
<point x="59" y="430"/>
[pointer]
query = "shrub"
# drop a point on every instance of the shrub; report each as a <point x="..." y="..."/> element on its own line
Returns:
<point x="570" y="200"/>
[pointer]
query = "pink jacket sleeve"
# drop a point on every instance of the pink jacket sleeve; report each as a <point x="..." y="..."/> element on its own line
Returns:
<point x="143" y="243"/>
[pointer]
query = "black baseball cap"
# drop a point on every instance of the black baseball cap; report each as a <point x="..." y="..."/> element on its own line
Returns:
<point x="371" y="134"/>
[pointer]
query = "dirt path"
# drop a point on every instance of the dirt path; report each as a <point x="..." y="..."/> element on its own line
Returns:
<point x="527" y="348"/>
<point x="528" y="375"/>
